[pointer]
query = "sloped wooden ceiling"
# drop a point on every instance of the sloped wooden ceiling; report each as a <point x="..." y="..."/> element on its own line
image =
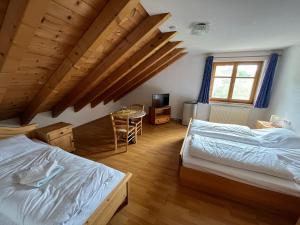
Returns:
<point x="60" y="53"/>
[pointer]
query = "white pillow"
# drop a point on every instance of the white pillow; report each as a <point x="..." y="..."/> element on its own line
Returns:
<point x="16" y="145"/>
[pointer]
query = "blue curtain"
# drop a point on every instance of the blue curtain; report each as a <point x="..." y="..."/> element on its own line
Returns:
<point x="204" y="91"/>
<point x="264" y="95"/>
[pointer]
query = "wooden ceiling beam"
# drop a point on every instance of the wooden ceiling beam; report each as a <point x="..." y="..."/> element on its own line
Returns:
<point x="102" y="26"/>
<point x="159" y="54"/>
<point x="153" y="45"/>
<point x="149" y="76"/>
<point x="136" y="37"/>
<point x="20" y="22"/>
<point x="148" y="71"/>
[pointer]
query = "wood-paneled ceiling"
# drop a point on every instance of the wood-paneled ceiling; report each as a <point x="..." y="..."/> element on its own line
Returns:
<point x="60" y="53"/>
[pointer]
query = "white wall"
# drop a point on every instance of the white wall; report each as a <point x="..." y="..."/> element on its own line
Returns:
<point x="285" y="100"/>
<point x="85" y="115"/>
<point x="181" y="79"/>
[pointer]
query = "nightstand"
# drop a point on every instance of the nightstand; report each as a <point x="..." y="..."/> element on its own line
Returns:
<point x="58" y="134"/>
<point x="265" y="124"/>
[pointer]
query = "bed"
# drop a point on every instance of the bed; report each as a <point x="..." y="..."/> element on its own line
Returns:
<point x="250" y="187"/>
<point x="85" y="192"/>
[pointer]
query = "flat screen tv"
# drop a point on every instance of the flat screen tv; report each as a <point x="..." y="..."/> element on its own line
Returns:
<point x="160" y="100"/>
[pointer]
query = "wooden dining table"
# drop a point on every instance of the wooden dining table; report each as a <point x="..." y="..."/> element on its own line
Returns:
<point x="130" y="113"/>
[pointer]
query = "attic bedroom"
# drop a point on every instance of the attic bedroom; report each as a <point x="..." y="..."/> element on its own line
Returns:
<point x="150" y="112"/>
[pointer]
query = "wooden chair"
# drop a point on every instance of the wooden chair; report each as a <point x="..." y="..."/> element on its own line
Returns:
<point x="138" y="122"/>
<point x="123" y="131"/>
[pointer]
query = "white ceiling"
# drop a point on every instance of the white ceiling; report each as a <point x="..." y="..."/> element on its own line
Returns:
<point x="235" y="25"/>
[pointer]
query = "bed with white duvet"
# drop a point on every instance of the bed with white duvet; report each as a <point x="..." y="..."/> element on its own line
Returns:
<point x="269" y="137"/>
<point x="68" y="198"/>
<point x="266" y="158"/>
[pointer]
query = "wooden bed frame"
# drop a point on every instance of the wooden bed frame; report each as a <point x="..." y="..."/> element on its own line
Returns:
<point x="256" y="197"/>
<point x="116" y="200"/>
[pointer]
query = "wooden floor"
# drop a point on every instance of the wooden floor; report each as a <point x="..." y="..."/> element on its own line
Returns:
<point x="156" y="198"/>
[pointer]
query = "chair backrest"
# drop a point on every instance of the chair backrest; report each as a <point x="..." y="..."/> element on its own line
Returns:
<point x="138" y="107"/>
<point x="118" y="121"/>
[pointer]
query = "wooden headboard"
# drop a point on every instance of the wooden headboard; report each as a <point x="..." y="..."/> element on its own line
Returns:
<point x="28" y="130"/>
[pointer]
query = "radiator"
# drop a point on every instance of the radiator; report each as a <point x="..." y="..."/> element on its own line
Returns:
<point x="229" y="114"/>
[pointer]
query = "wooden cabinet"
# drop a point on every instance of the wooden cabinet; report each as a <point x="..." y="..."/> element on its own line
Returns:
<point x="159" y="115"/>
<point x="264" y="124"/>
<point x="58" y="134"/>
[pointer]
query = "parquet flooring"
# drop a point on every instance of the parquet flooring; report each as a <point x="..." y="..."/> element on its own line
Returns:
<point x="156" y="198"/>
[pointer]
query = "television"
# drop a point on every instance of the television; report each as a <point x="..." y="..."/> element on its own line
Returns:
<point x="160" y="100"/>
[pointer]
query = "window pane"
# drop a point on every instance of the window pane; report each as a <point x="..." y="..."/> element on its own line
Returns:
<point x="242" y="89"/>
<point x="224" y="71"/>
<point x="246" y="70"/>
<point x="221" y="87"/>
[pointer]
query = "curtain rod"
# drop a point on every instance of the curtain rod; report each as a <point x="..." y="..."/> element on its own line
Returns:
<point x="230" y="57"/>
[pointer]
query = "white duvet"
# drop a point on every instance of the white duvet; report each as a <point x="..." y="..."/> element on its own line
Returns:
<point x="63" y="198"/>
<point x="272" y="137"/>
<point x="224" y="131"/>
<point x="278" y="162"/>
<point x="210" y="127"/>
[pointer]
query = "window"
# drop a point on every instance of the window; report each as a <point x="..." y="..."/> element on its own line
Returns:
<point x="235" y="81"/>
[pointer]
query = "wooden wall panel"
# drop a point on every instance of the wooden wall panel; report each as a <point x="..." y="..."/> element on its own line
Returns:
<point x="21" y="19"/>
<point x="145" y="52"/>
<point x="156" y="57"/>
<point x="149" y="76"/>
<point x="93" y="3"/>
<point x="3" y="7"/>
<point x="149" y="73"/>
<point x="137" y="38"/>
<point x="112" y="15"/>
<point x="86" y="65"/>
<point x="60" y="29"/>
<point x="2" y="93"/>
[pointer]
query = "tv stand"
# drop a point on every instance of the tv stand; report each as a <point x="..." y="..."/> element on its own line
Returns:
<point x="159" y="115"/>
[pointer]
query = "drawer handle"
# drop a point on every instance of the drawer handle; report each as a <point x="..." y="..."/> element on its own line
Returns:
<point x="62" y="132"/>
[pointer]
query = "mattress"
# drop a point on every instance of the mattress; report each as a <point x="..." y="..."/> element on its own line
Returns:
<point x="22" y="151"/>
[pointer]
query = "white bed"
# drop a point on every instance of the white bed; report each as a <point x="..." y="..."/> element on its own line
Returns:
<point x="70" y="198"/>
<point x="208" y="170"/>
<point x="249" y="177"/>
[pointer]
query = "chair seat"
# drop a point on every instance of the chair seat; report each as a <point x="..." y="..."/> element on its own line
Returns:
<point x="121" y="129"/>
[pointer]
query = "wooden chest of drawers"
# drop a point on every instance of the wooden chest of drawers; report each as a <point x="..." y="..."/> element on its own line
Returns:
<point x="58" y="134"/>
<point x="159" y="115"/>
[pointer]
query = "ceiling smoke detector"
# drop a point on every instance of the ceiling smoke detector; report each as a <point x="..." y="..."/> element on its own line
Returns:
<point x="199" y="28"/>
